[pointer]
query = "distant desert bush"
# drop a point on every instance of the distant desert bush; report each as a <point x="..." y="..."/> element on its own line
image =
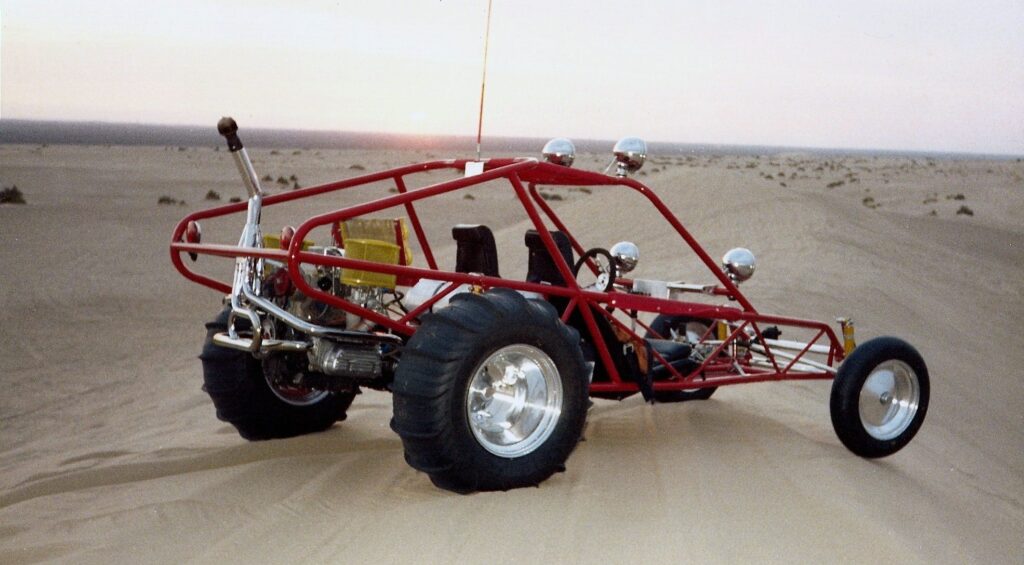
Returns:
<point x="234" y="199"/>
<point x="550" y="196"/>
<point x="167" y="200"/>
<point x="835" y="184"/>
<point x="965" y="211"/>
<point x="212" y="195"/>
<point x="12" y="196"/>
<point x="356" y="167"/>
<point x="957" y="196"/>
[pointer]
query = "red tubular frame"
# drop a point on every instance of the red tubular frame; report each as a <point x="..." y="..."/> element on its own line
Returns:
<point x="719" y="368"/>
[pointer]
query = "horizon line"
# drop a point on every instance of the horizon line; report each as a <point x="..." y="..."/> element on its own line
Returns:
<point x="383" y="136"/>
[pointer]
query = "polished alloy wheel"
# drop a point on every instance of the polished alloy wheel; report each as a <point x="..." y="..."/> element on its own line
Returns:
<point x="277" y="374"/>
<point x="889" y="399"/>
<point x="514" y="400"/>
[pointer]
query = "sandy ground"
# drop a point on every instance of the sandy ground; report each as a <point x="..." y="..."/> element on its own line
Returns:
<point x="109" y="450"/>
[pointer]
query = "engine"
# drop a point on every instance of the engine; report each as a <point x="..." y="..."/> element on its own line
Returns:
<point x="337" y="363"/>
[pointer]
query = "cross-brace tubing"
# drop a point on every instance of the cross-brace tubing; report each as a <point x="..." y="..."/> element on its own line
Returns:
<point x="738" y="358"/>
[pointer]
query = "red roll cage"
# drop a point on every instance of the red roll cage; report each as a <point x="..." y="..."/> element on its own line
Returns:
<point x="728" y="363"/>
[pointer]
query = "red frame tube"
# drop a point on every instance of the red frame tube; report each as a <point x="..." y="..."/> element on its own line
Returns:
<point x="718" y="368"/>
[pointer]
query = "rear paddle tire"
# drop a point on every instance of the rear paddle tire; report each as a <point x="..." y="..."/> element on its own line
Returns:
<point x="491" y="393"/>
<point x="880" y="397"/>
<point x="247" y="395"/>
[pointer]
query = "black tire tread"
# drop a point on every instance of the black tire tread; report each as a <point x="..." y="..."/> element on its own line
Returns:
<point x="241" y="396"/>
<point x="428" y="402"/>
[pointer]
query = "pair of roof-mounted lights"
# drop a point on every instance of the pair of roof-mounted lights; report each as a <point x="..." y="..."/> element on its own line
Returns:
<point x="630" y="154"/>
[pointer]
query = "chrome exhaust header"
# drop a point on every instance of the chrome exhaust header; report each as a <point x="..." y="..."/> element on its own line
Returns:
<point x="248" y="278"/>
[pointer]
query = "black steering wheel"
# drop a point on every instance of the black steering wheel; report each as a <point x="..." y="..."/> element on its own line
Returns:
<point x="605" y="269"/>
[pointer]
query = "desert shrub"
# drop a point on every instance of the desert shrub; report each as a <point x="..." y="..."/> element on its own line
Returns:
<point x="212" y="195"/>
<point x="869" y="201"/>
<point x="235" y="199"/>
<point x="275" y="152"/>
<point x="267" y="178"/>
<point x="166" y="200"/>
<point x="282" y="180"/>
<point x="957" y="196"/>
<point x="12" y="196"/>
<point x="965" y="211"/>
<point x="468" y="197"/>
<point x="296" y="152"/>
<point x="835" y="184"/>
<point x="296" y="185"/>
<point x="356" y="167"/>
<point x="550" y="196"/>
<point x="585" y="190"/>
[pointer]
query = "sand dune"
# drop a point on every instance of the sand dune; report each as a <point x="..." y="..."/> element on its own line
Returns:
<point x="109" y="450"/>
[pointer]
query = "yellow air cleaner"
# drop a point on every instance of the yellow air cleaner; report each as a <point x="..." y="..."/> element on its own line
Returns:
<point x="370" y="250"/>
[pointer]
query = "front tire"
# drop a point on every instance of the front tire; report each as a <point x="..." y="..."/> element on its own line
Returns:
<point x="880" y="397"/>
<point x="490" y="393"/>
<point x="244" y="398"/>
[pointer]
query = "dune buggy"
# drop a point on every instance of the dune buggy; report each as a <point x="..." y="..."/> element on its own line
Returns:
<point x="490" y="375"/>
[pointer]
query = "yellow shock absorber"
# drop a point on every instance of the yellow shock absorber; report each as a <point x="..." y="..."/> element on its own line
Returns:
<point x="849" y="342"/>
<point x="723" y="330"/>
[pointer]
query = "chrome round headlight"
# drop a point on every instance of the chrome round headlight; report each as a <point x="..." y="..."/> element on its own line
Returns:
<point x="559" y="151"/>
<point x="630" y="154"/>
<point x="739" y="263"/>
<point x="626" y="255"/>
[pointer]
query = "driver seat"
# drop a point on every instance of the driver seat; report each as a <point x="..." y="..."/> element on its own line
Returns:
<point x="541" y="267"/>
<point x="475" y="251"/>
<point x="675" y="354"/>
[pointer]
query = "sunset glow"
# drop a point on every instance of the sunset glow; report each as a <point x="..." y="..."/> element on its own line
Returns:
<point x="941" y="76"/>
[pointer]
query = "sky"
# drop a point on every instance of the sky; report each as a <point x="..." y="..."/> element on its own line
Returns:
<point x="862" y="74"/>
